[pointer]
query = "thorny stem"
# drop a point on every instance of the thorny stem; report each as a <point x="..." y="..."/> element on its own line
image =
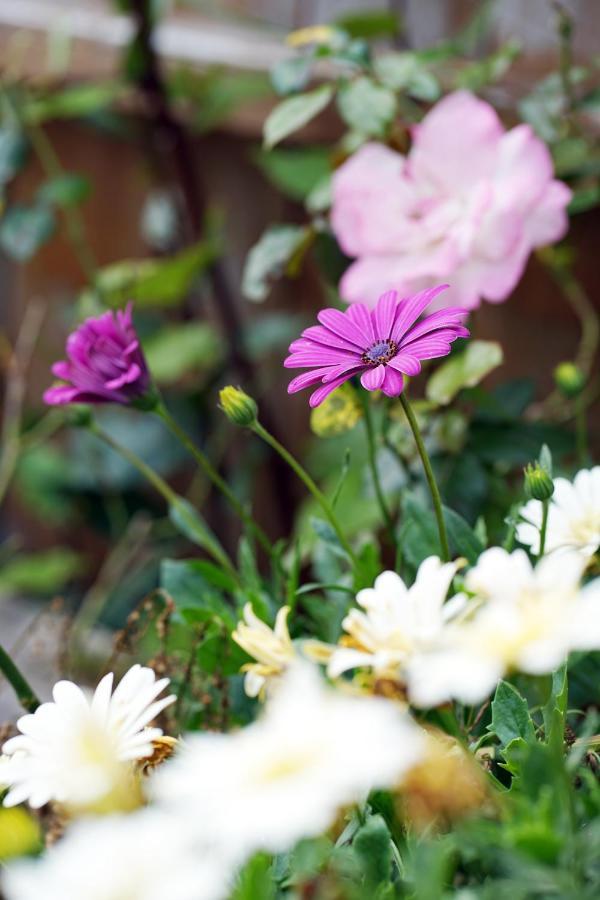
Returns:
<point x="433" y="488"/>
<point x="173" y="499"/>
<point x="308" y="481"/>
<point x="211" y="473"/>
<point x="372" y="453"/>
<point x="25" y="693"/>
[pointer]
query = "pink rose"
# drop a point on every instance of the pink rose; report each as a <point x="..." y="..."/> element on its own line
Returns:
<point x="467" y="205"/>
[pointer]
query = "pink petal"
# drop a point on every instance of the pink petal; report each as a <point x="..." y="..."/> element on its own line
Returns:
<point x="384" y="314"/>
<point x="457" y="143"/>
<point x="393" y="383"/>
<point x="373" y="378"/>
<point x="320" y="335"/>
<point x="319" y="356"/>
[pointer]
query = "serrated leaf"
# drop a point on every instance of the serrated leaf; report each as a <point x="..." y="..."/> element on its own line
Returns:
<point x="367" y="107"/>
<point x="268" y="259"/>
<point x="463" y="370"/>
<point x="511" y="718"/>
<point x="194" y="595"/>
<point x="294" y="113"/>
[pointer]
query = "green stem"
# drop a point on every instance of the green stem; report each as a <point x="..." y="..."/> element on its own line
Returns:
<point x="544" y="525"/>
<point x="372" y="452"/>
<point x="434" y="490"/>
<point x="25" y="693"/>
<point x="211" y="473"/>
<point x="173" y="499"/>
<point x="303" y="475"/>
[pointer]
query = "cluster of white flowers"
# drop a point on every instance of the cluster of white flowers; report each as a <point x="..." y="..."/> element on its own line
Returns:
<point x="222" y="797"/>
<point x="184" y="830"/>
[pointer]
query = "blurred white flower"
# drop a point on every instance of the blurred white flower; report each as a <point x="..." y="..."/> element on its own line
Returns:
<point x="142" y="856"/>
<point x="271" y="647"/>
<point x="80" y="750"/>
<point x="522" y="618"/>
<point x="397" y="621"/>
<point x="286" y="776"/>
<point x="573" y="516"/>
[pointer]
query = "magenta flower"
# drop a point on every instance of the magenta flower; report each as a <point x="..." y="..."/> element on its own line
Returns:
<point x="105" y="363"/>
<point x="381" y="345"/>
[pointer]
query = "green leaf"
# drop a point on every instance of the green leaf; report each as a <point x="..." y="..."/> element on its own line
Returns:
<point x="291" y="75"/>
<point x="195" y="595"/>
<point x="213" y="95"/>
<point x="555" y="710"/>
<point x="24" y="229"/>
<point x="463" y="370"/>
<point x="66" y="190"/>
<point x="154" y="283"/>
<point x="294" y="113"/>
<point x="419" y="536"/>
<point x="370" y="24"/>
<point x="367" y="107"/>
<point x="13" y="148"/>
<point x="42" y="573"/>
<point x="183" y="349"/>
<point x="191" y="524"/>
<point x="71" y="102"/>
<point x="477" y="75"/>
<point x="510" y="715"/>
<point x="255" y="880"/>
<point x="295" y="172"/>
<point x="372" y="845"/>
<point x="463" y="540"/>
<point x="405" y="72"/>
<point x="270" y="257"/>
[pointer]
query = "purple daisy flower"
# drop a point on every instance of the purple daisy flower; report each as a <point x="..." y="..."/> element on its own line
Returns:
<point x="381" y="345"/>
<point x="105" y="363"/>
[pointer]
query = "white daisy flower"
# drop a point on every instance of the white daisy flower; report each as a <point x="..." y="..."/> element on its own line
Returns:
<point x="286" y="776"/>
<point x="271" y="647"/>
<point x="523" y="618"/>
<point x="80" y="750"/>
<point x="143" y="856"/>
<point x="397" y="621"/>
<point x="573" y="516"/>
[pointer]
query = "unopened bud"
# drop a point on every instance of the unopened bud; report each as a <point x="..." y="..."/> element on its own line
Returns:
<point x="569" y="379"/>
<point x="538" y="483"/>
<point x="238" y="406"/>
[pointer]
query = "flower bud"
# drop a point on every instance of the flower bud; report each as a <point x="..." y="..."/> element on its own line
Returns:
<point x="569" y="379"/>
<point x="538" y="483"/>
<point x="238" y="406"/>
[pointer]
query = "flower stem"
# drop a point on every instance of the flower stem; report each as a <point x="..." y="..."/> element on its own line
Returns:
<point x="173" y="499"/>
<point x="435" y="493"/>
<point x="581" y="430"/>
<point x="303" y="475"/>
<point x="545" y="508"/>
<point x="372" y="452"/>
<point x="211" y="473"/>
<point x="25" y="693"/>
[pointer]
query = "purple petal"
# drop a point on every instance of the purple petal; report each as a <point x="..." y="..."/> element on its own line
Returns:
<point x="319" y="356"/>
<point x="392" y="383"/>
<point x="325" y="336"/>
<point x="441" y="319"/>
<point x="405" y="363"/>
<point x="341" y="324"/>
<point x="411" y="308"/>
<point x="349" y="370"/>
<point x="373" y="378"/>
<point x="384" y="314"/>
<point x="321" y="393"/>
<point x="306" y="379"/>
<point x="361" y="316"/>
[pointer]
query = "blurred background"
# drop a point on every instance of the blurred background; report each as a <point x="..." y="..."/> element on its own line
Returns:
<point x="131" y="159"/>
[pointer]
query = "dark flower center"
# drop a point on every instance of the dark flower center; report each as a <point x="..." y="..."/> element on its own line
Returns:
<point x="380" y="352"/>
